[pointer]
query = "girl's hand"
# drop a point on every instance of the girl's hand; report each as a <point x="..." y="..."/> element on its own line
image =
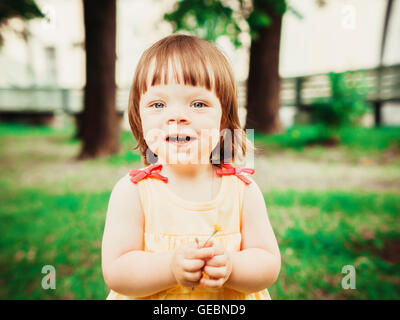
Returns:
<point x="187" y="263"/>
<point x="218" y="268"/>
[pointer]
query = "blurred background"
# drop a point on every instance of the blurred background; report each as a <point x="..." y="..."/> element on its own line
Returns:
<point x="319" y="81"/>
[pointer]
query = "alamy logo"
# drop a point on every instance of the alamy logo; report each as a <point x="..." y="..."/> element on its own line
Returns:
<point x="349" y="17"/>
<point x="49" y="280"/>
<point x="349" y="280"/>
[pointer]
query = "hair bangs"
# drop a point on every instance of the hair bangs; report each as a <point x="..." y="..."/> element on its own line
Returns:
<point x="181" y="63"/>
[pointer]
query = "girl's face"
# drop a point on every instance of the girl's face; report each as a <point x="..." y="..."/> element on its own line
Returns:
<point x="172" y="109"/>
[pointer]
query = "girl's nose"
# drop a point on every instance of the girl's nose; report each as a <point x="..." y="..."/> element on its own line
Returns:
<point x="177" y="115"/>
<point x="178" y="120"/>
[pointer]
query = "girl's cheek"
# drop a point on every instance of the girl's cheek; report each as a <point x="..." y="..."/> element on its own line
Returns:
<point x="210" y="135"/>
<point x="153" y="138"/>
<point x="206" y="144"/>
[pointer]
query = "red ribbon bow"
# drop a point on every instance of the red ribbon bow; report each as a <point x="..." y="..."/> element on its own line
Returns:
<point x="236" y="171"/>
<point x="138" y="175"/>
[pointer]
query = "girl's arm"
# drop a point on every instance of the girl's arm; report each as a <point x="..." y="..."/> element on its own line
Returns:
<point x="126" y="268"/>
<point x="257" y="265"/>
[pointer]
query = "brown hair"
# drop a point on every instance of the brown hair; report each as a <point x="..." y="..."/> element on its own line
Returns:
<point x="202" y="64"/>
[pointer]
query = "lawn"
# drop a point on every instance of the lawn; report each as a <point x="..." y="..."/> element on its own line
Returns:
<point x="53" y="211"/>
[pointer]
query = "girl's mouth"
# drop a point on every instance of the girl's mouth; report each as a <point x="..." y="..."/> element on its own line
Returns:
<point x="180" y="141"/>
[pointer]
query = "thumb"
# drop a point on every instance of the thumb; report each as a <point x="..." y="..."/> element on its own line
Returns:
<point x="209" y="243"/>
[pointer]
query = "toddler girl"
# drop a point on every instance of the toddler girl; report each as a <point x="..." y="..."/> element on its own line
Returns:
<point x="156" y="244"/>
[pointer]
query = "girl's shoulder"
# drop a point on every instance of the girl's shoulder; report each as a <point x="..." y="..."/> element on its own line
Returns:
<point x="124" y="200"/>
<point x="125" y="186"/>
<point x="252" y="192"/>
<point x="128" y="182"/>
<point x="241" y="173"/>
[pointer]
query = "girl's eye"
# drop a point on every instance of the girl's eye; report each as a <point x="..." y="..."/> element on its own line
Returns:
<point x="198" y="104"/>
<point x="158" y="105"/>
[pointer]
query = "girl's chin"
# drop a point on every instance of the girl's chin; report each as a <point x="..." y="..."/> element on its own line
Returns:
<point x="193" y="155"/>
<point x="182" y="158"/>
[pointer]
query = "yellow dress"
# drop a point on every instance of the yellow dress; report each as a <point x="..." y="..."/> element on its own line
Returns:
<point x="171" y="221"/>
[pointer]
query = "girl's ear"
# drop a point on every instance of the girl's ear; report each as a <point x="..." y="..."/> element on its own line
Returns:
<point x="150" y="156"/>
<point x="215" y="156"/>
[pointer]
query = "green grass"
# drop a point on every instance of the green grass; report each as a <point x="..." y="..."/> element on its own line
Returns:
<point x="41" y="229"/>
<point x="319" y="232"/>
<point x="18" y="129"/>
<point x="357" y="138"/>
<point x="65" y="231"/>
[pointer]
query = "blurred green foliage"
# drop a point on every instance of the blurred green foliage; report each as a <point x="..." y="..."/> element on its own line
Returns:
<point x="25" y="9"/>
<point x="209" y="19"/>
<point x="346" y="104"/>
<point x="358" y="139"/>
<point x="344" y="107"/>
<point x="205" y="19"/>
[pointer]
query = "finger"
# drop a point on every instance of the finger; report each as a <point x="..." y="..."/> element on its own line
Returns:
<point x="192" y="276"/>
<point x="212" y="283"/>
<point x="217" y="261"/>
<point x="206" y="253"/>
<point x="192" y="264"/>
<point x="213" y="272"/>
<point x="190" y="252"/>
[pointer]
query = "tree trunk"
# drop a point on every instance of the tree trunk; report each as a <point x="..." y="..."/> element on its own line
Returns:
<point x="263" y="83"/>
<point x="388" y="13"/>
<point x="99" y="127"/>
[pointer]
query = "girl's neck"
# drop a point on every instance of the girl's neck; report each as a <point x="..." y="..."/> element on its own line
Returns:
<point x="188" y="171"/>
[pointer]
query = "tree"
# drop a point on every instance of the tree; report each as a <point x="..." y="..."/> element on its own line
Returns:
<point x="378" y="104"/>
<point x="209" y="19"/>
<point x="388" y="12"/>
<point x="24" y="9"/>
<point x="99" y="126"/>
<point x="263" y="83"/>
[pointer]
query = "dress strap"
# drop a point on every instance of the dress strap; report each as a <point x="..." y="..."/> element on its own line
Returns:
<point x="229" y="169"/>
<point x="138" y="175"/>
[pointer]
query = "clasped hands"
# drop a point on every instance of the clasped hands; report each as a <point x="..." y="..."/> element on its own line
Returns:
<point x="191" y="260"/>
